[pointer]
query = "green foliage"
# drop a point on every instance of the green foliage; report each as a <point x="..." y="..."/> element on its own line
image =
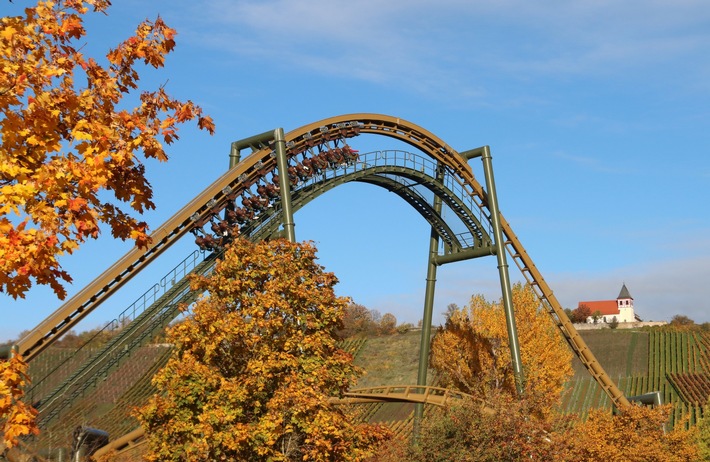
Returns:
<point x="254" y="367"/>
<point x="596" y="316"/>
<point x="614" y="323"/>
<point x="569" y="313"/>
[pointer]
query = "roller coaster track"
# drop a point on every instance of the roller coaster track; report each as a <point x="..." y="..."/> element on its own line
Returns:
<point x="129" y="323"/>
<point x="411" y="176"/>
<point x="398" y="171"/>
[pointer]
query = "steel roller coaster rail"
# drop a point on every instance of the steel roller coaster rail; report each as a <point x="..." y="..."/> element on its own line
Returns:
<point x="256" y="198"/>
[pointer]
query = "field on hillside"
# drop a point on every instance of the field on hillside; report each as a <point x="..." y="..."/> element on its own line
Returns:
<point x="390" y="360"/>
<point x="101" y="402"/>
<point x="673" y="363"/>
<point x="622" y="353"/>
<point x="676" y="364"/>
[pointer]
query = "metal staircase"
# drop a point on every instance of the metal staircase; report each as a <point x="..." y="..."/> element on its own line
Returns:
<point x="146" y="326"/>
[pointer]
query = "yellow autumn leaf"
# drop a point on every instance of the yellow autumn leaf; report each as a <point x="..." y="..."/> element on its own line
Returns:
<point x="8" y="32"/>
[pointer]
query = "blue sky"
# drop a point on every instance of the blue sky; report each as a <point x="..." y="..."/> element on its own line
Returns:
<point x="596" y="112"/>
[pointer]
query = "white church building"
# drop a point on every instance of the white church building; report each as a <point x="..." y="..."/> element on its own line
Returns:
<point x="606" y="310"/>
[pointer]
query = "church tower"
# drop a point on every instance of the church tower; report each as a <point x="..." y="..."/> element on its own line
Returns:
<point x="625" y="304"/>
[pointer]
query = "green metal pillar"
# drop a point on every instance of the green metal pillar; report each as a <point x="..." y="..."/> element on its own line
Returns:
<point x="235" y="155"/>
<point x="284" y="185"/>
<point x="8" y="351"/>
<point x="425" y="342"/>
<point x="503" y="270"/>
<point x="257" y="142"/>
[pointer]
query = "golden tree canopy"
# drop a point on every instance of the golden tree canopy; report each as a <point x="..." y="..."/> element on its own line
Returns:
<point x="635" y="434"/>
<point x="68" y="138"/>
<point x="255" y="365"/>
<point x="471" y="351"/>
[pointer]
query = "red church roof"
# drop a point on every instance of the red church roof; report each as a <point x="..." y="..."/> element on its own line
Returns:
<point x="605" y="307"/>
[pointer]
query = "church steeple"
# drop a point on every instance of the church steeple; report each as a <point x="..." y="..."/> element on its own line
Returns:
<point x="624" y="294"/>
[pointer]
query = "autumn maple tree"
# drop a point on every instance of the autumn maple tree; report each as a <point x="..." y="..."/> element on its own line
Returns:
<point x="255" y="365"/>
<point x="70" y="157"/>
<point x="471" y="353"/>
<point x="70" y="152"/>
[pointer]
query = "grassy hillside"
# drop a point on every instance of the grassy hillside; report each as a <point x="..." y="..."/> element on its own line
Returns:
<point x="390" y="360"/>
<point x="394" y="359"/>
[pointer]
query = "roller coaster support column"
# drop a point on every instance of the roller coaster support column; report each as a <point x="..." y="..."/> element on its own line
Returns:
<point x="256" y="142"/>
<point x="485" y="154"/>
<point x="284" y="184"/>
<point x="425" y="342"/>
<point x="235" y="155"/>
<point x="8" y="351"/>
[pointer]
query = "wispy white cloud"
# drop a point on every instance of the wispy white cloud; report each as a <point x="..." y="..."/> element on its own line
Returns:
<point x="345" y="40"/>
<point x="454" y="47"/>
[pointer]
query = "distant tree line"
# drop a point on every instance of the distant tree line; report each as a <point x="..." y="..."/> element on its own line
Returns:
<point x="681" y="321"/>
<point x="359" y="320"/>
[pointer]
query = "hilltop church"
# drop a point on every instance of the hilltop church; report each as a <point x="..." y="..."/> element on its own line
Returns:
<point x="622" y="308"/>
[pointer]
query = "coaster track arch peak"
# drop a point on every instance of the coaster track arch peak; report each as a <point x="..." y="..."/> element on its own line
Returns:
<point x="275" y="151"/>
